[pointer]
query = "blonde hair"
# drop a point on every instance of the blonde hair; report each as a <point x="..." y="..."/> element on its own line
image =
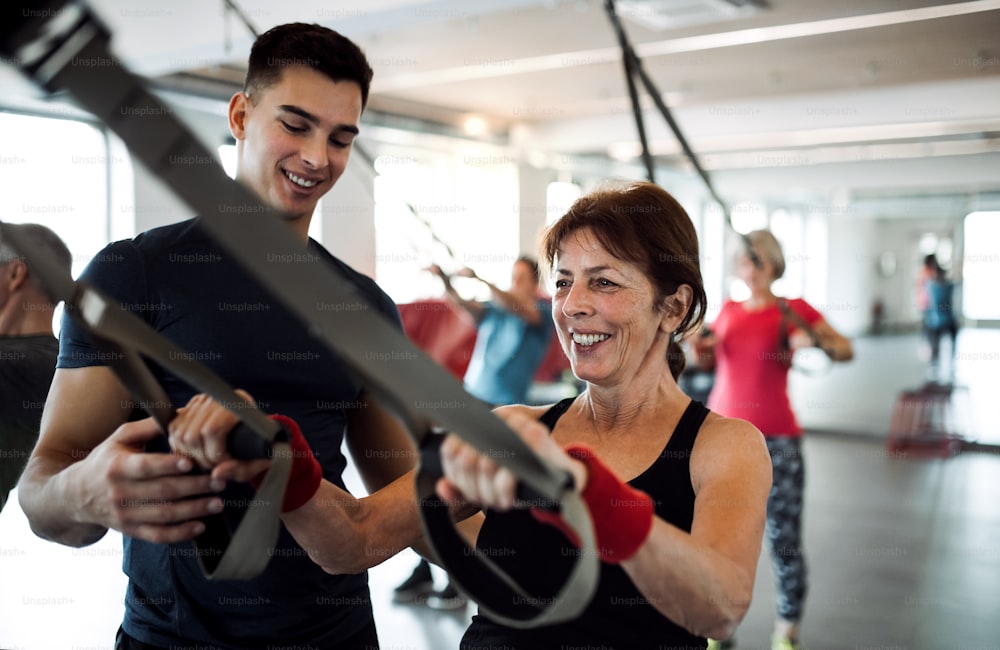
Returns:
<point x="767" y="248"/>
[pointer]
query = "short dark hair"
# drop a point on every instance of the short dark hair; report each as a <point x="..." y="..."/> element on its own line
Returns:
<point x="643" y="224"/>
<point x="308" y="45"/>
<point x="532" y="264"/>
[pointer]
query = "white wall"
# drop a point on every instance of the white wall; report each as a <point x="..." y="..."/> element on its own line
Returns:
<point x="347" y="218"/>
<point x="848" y="304"/>
<point x="154" y="204"/>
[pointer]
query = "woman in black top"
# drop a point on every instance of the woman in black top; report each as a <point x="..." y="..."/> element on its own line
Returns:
<point x="679" y="558"/>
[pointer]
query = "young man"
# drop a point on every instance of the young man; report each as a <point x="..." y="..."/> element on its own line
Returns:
<point x="294" y="122"/>
<point x="28" y="351"/>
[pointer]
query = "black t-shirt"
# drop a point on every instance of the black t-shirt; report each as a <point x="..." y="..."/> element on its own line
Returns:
<point x="190" y="290"/>
<point x="26" y="367"/>
<point x="539" y="558"/>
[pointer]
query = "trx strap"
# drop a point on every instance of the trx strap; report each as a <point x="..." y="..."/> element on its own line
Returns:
<point x="124" y="339"/>
<point x="816" y="364"/>
<point x="48" y="40"/>
<point x="633" y="69"/>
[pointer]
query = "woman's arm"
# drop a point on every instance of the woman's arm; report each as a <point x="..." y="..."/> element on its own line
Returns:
<point x="703" y="580"/>
<point x="836" y="345"/>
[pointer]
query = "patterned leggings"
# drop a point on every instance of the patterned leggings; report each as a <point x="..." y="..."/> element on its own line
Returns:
<point x="784" y="525"/>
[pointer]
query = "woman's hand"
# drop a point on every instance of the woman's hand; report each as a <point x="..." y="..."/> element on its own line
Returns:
<point x="799" y="338"/>
<point x="476" y="477"/>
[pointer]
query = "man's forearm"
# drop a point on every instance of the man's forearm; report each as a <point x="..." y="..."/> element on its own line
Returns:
<point x="344" y="534"/>
<point x="53" y="504"/>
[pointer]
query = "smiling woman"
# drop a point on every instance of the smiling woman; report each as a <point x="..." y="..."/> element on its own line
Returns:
<point x="676" y="493"/>
<point x="636" y="245"/>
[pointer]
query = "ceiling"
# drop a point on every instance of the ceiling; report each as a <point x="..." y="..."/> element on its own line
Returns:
<point x="865" y="97"/>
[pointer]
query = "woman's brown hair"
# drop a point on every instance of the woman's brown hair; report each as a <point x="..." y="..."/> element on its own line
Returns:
<point x="642" y="224"/>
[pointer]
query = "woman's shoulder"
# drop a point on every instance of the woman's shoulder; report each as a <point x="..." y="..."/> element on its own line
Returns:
<point x="801" y="307"/>
<point x="729" y="449"/>
<point x="726" y="436"/>
<point x="716" y="424"/>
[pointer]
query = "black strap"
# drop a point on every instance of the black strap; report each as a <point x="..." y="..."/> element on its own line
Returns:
<point x="550" y="417"/>
<point x="633" y="70"/>
<point x="789" y="315"/>
<point x="423" y="395"/>
<point x="688" y="426"/>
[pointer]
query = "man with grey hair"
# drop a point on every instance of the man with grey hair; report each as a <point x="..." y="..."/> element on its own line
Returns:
<point x="28" y="351"/>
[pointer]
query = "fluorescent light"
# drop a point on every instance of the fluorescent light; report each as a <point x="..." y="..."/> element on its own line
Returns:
<point x="474" y="125"/>
<point x="561" y="60"/>
<point x="812" y="28"/>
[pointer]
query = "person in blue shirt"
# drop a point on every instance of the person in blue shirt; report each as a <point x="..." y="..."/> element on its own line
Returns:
<point x="513" y="334"/>
<point x="514" y="329"/>
<point x="939" y="317"/>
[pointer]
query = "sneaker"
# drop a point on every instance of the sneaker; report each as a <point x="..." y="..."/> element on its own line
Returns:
<point x="416" y="587"/>
<point x="724" y="644"/>
<point x="448" y="598"/>
<point x="784" y="643"/>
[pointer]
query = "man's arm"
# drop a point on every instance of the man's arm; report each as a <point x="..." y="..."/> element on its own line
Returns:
<point x="340" y="532"/>
<point x="702" y="580"/>
<point x="88" y="472"/>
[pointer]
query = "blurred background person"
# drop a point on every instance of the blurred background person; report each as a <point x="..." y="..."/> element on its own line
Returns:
<point x="751" y="344"/>
<point x="28" y="350"/>
<point x="939" y="318"/>
<point x="513" y="333"/>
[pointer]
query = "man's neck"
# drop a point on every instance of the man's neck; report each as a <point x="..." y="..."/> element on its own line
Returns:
<point x="27" y="323"/>
<point x="19" y="318"/>
<point x="300" y="226"/>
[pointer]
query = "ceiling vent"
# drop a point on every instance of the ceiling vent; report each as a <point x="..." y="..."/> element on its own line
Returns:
<point x="661" y="15"/>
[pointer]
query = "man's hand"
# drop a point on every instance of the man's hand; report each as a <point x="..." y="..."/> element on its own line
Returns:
<point x="201" y="430"/>
<point x="148" y="496"/>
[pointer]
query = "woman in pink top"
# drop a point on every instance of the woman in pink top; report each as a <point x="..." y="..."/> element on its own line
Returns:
<point x="752" y="343"/>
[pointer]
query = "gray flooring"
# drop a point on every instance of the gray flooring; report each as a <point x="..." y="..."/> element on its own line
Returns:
<point x="904" y="552"/>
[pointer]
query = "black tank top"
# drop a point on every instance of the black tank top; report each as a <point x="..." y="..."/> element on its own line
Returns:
<point x="539" y="558"/>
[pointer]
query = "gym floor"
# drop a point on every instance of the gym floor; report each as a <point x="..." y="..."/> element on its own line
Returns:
<point x="904" y="552"/>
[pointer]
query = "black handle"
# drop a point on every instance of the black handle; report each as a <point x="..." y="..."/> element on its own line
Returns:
<point x="246" y="444"/>
<point x="430" y="464"/>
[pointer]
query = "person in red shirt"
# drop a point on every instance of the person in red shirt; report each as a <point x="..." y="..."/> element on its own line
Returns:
<point x="751" y="344"/>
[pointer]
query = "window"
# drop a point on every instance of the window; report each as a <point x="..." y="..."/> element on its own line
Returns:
<point x="559" y="196"/>
<point x="464" y="213"/>
<point x="55" y="173"/>
<point x="980" y="266"/>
